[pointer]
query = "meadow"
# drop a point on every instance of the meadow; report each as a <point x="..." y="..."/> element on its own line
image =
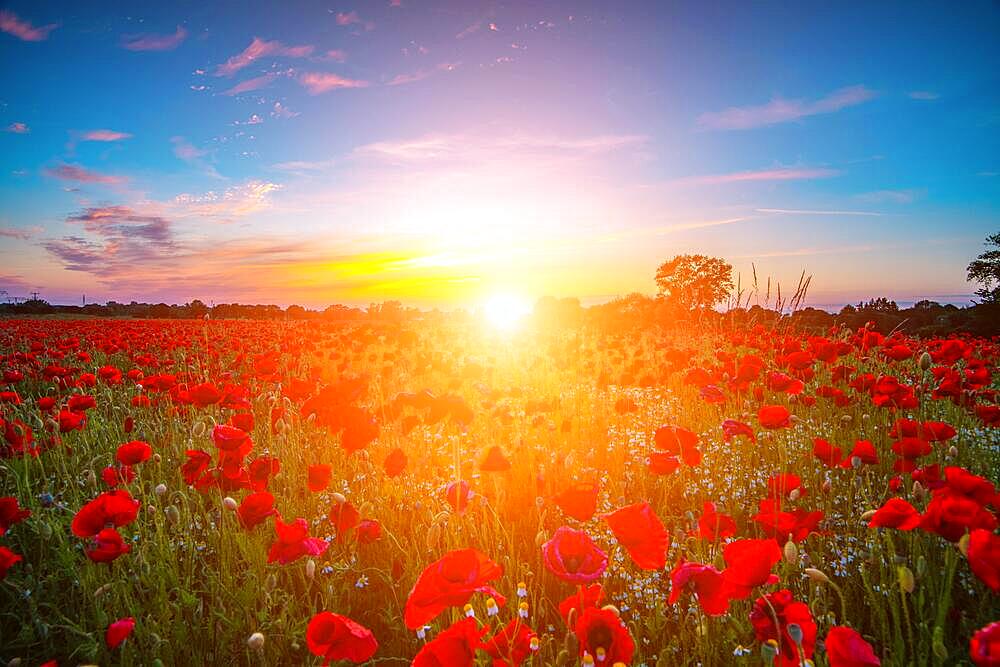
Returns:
<point x="443" y="493"/>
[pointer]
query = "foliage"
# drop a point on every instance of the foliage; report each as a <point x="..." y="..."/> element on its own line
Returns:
<point x="985" y="270"/>
<point x="694" y="282"/>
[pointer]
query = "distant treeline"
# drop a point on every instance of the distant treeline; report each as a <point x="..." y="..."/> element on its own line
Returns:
<point x="634" y="311"/>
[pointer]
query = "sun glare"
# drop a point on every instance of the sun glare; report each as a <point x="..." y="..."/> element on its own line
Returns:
<point x="505" y="311"/>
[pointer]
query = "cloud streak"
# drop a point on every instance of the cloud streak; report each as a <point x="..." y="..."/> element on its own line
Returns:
<point x="799" y="211"/>
<point x="260" y="48"/>
<point x="317" y="83"/>
<point x="762" y="175"/>
<point x="105" y="135"/>
<point x="22" y="29"/>
<point x="783" y="111"/>
<point x="70" y="172"/>
<point x="150" y="42"/>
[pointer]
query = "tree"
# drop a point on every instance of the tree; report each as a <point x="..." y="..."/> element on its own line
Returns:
<point x="880" y="305"/>
<point x="985" y="270"/>
<point x="695" y="281"/>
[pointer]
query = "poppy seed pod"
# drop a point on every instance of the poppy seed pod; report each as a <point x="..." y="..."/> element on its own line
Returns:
<point x="795" y="632"/>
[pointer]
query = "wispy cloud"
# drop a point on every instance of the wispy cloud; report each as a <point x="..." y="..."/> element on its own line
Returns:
<point x="104" y="135"/>
<point x="799" y="211"/>
<point x="17" y="128"/>
<point x="471" y="148"/>
<point x="260" y="48"/>
<point x="323" y="82"/>
<point x="421" y="74"/>
<point x="925" y="95"/>
<point x="469" y="30"/>
<point x="70" y="172"/>
<point x="303" y="165"/>
<point x="186" y="151"/>
<point x="762" y="175"/>
<point x="352" y="18"/>
<point x="890" y="196"/>
<point x="255" y="83"/>
<point x="15" y="233"/>
<point x="22" y="29"/>
<point x="225" y="205"/>
<point x="783" y="111"/>
<point x="150" y="42"/>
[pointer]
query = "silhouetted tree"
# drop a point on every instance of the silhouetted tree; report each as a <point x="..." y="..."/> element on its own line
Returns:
<point x="693" y="282"/>
<point x="985" y="270"/>
<point x="880" y="305"/>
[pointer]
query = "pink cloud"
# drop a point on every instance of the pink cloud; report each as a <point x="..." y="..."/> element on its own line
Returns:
<point x="781" y="174"/>
<point x="15" y="233"/>
<point x="421" y="74"/>
<point x="323" y="82"/>
<point x="469" y="30"/>
<point x="336" y="55"/>
<point x="154" y="42"/>
<point x="252" y="84"/>
<point x="12" y="25"/>
<point x="69" y="172"/>
<point x="351" y="18"/>
<point x="17" y="128"/>
<point x="258" y="49"/>
<point x="105" y="135"/>
<point x="783" y="111"/>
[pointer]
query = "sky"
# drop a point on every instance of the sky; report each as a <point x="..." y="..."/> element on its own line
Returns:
<point x="440" y="152"/>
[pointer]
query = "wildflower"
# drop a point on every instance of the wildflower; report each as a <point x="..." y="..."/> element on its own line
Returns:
<point x="335" y="637"/>
<point x="573" y="557"/>
<point x="641" y="532"/>
<point x="450" y="581"/>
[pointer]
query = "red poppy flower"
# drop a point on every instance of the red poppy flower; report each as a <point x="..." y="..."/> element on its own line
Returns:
<point x="292" y="541"/>
<point x="830" y="455"/>
<point x="511" y="645"/>
<point x="961" y="481"/>
<point x="846" y="648"/>
<point x="205" y="394"/>
<point x="81" y="402"/>
<point x="369" y="530"/>
<point x="494" y="461"/>
<point x="107" y="545"/>
<point x="335" y="637"/>
<point x="260" y="472"/>
<point x="11" y="513"/>
<point x="679" y="442"/>
<point x="454" y="647"/>
<point x="895" y="513"/>
<point x="114" y="477"/>
<point x="748" y="565"/>
<point x="602" y="635"/>
<point x="795" y="525"/>
<point x="579" y="500"/>
<point x="572" y="556"/>
<point x="345" y="518"/>
<point x="232" y="440"/>
<point x="71" y="421"/>
<point x="255" y="509"/>
<point x="116" y="508"/>
<point x="781" y="485"/>
<point x="663" y="463"/>
<point x="395" y="463"/>
<point x="118" y="632"/>
<point x="197" y="463"/>
<point x="713" y="526"/>
<point x="7" y="560"/>
<point x="984" y="647"/>
<point x="708" y="584"/>
<point x="937" y="431"/>
<point x="864" y="450"/>
<point x="319" y="477"/>
<point x="774" y="416"/>
<point x="589" y="596"/>
<point x="984" y="557"/>
<point x="448" y="582"/>
<point x="133" y="453"/>
<point x="782" y="608"/>
<point x="457" y="494"/>
<point x="640" y="531"/>
<point x="951" y="515"/>
<point x="243" y="421"/>
<point x="732" y="428"/>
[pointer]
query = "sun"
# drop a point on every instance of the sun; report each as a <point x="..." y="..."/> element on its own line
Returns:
<point x="505" y="311"/>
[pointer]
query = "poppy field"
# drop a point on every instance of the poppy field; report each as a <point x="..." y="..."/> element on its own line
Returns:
<point x="437" y="492"/>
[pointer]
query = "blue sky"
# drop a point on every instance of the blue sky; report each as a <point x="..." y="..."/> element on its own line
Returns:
<point x="438" y="152"/>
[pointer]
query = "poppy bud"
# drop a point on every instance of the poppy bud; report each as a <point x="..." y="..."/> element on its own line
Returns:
<point x="817" y="576"/>
<point x="918" y="490"/>
<point x="157" y="458"/>
<point x="906" y="580"/>
<point x="255" y="642"/>
<point x="847" y="419"/>
<point x="925" y="361"/>
<point x="937" y="643"/>
<point x="856" y="462"/>
<point x="794" y="495"/>
<point x="14" y="662"/>
<point x="540" y="539"/>
<point x="953" y="451"/>
<point x="198" y="429"/>
<point x="612" y="608"/>
<point x="826" y="486"/>
<point x="172" y="513"/>
<point x="791" y="551"/>
<point x="45" y="530"/>
<point x="570" y="621"/>
<point x="339" y="498"/>
<point x="230" y="503"/>
<point x="963" y="545"/>
<point x="795" y="632"/>
<point x="151" y="509"/>
<point x="310" y="569"/>
<point x="91" y="478"/>
<point x="271" y="582"/>
<point x="794" y="419"/>
<point x="160" y="489"/>
<point x="868" y="515"/>
<point x="102" y="590"/>
<point x="433" y="535"/>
